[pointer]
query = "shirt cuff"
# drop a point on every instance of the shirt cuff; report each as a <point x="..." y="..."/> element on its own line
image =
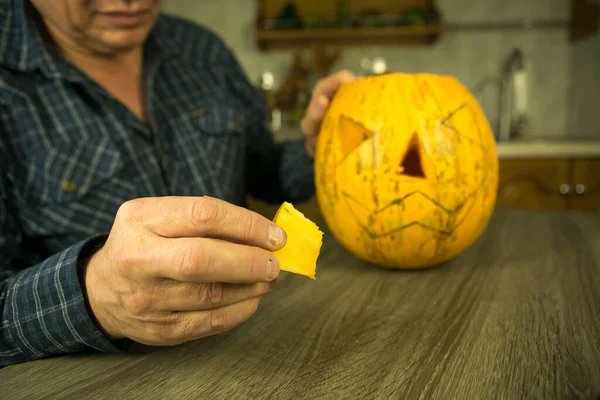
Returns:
<point x="45" y="312"/>
<point x="297" y="171"/>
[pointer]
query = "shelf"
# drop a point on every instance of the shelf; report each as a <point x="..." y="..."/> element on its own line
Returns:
<point x="524" y="25"/>
<point x="285" y="39"/>
<point x="285" y="24"/>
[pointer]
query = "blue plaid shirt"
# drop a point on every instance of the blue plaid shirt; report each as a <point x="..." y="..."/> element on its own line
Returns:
<point x="71" y="154"/>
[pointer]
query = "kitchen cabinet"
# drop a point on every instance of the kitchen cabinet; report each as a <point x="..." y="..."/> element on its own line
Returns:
<point x="533" y="183"/>
<point x="584" y="192"/>
<point x="544" y="183"/>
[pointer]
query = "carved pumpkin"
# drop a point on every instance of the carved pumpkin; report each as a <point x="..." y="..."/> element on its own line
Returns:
<point x="406" y="169"/>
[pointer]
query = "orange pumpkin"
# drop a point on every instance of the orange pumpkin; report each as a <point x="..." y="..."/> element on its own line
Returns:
<point x="406" y="169"/>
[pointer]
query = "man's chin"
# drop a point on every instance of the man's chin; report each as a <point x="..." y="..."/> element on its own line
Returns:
<point x="124" y="40"/>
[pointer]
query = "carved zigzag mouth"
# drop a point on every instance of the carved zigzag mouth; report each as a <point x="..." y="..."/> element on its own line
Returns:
<point x="354" y="203"/>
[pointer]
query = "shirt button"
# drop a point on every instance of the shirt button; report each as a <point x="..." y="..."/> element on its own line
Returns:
<point x="69" y="187"/>
<point x="199" y="112"/>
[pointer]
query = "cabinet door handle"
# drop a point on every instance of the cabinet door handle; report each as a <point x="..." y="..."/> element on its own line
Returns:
<point x="580" y="189"/>
<point x="565" y="189"/>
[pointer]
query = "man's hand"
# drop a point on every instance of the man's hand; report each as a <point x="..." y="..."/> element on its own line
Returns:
<point x="321" y="97"/>
<point x="175" y="269"/>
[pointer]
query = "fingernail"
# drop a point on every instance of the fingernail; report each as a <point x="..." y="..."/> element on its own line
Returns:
<point x="276" y="235"/>
<point x="323" y="101"/>
<point x="273" y="268"/>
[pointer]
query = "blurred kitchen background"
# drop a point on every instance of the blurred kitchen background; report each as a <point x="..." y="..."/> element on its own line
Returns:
<point x="533" y="64"/>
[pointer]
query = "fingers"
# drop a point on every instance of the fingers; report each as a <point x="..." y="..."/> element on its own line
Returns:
<point x="185" y="326"/>
<point x="197" y="324"/>
<point x="328" y="86"/>
<point x="321" y="98"/>
<point x="177" y="296"/>
<point x="177" y="217"/>
<point x="310" y="145"/>
<point x="209" y="260"/>
<point x="314" y="115"/>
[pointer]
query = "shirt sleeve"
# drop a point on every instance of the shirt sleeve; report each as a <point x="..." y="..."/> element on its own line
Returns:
<point x="43" y="309"/>
<point x="276" y="171"/>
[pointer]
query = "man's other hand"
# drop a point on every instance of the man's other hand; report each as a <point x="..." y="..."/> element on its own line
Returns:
<point x="321" y="97"/>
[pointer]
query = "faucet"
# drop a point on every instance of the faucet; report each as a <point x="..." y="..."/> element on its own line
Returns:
<point x="512" y="101"/>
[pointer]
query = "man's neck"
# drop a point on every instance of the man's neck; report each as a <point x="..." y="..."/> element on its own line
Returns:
<point x="119" y="73"/>
<point x="97" y="64"/>
<point x="127" y="64"/>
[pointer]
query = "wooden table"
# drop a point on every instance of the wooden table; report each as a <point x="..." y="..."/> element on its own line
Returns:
<point x="515" y="317"/>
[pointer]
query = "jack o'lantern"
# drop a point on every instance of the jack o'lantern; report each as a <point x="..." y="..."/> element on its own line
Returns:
<point x="406" y="169"/>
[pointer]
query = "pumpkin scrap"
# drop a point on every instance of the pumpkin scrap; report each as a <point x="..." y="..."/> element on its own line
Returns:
<point x="304" y="241"/>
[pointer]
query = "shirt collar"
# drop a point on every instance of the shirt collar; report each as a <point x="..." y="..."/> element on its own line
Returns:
<point x="25" y="45"/>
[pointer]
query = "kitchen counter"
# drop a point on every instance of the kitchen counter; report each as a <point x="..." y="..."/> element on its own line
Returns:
<point x="526" y="148"/>
<point x="554" y="148"/>
<point x="516" y="316"/>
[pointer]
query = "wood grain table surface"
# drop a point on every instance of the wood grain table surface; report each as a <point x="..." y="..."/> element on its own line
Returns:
<point x="517" y="316"/>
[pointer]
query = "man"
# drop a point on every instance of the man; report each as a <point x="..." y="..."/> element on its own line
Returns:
<point x="115" y="123"/>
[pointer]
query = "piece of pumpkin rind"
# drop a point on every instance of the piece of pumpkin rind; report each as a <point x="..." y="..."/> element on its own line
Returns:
<point x="304" y="241"/>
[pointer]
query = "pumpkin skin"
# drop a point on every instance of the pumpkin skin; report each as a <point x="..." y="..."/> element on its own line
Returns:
<point x="406" y="169"/>
<point x="303" y="245"/>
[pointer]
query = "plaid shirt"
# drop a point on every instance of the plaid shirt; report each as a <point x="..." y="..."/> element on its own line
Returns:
<point x="70" y="155"/>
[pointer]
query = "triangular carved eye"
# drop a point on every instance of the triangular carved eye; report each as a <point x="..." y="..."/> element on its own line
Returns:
<point x="352" y="134"/>
<point x="411" y="163"/>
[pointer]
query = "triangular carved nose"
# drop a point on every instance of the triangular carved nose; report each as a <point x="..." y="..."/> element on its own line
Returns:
<point x="411" y="163"/>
